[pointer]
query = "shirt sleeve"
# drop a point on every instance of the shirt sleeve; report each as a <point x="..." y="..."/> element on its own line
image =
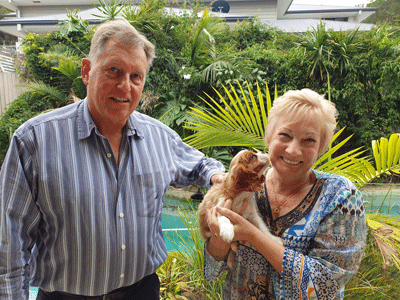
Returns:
<point x="192" y="165"/>
<point x="19" y="217"/>
<point x="212" y="268"/>
<point x="334" y="256"/>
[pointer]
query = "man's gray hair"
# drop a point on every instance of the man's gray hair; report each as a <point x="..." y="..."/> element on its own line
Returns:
<point x="125" y="34"/>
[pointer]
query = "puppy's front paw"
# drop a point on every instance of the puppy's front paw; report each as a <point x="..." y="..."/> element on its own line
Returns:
<point x="227" y="232"/>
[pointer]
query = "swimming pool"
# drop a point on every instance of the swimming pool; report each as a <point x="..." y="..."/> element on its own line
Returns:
<point x="385" y="202"/>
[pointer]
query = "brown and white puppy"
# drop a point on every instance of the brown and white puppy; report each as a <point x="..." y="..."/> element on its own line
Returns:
<point x="245" y="177"/>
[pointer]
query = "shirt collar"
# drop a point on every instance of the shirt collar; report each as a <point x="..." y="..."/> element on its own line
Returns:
<point x="86" y="124"/>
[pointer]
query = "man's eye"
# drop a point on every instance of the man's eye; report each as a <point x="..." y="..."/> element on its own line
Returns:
<point x="113" y="71"/>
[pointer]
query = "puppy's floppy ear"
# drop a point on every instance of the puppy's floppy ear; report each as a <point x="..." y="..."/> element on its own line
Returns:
<point x="246" y="179"/>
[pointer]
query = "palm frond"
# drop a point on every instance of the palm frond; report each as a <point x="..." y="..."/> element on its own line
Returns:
<point x="238" y="121"/>
<point x="56" y="96"/>
<point x="387" y="154"/>
<point x="386" y="231"/>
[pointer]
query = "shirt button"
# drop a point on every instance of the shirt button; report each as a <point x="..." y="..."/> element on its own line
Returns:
<point x="123" y="247"/>
<point x="122" y="275"/>
<point x="109" y="155"/>
<point x="121" y="215"/>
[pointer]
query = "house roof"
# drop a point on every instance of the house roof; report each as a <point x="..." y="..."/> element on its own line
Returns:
<point x="20" y="27"/>
<point x="303" y="11"/>
<point x="302" y="25"/>
<point x="291" y="17"/>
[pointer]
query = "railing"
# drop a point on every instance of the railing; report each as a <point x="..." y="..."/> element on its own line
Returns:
<point x="7" y="63"/>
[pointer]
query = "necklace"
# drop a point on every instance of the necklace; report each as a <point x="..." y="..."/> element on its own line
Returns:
<point x="277" y="209"/>
<point x="279" y="205"/>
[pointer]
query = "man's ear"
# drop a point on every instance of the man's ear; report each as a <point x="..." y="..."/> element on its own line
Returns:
<point x="86" y="66"/>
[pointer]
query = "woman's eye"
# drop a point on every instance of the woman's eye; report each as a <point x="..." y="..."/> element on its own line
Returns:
<point x="309" y="140"/>
<point x="284" y="135"/>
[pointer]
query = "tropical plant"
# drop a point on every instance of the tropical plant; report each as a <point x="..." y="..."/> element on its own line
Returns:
<point x="370" y="282"/>
<point x="73" y="24"/>
<point x="109" y="11"/>
<point x="326" y="50"/>
<point x="172" y="274"/>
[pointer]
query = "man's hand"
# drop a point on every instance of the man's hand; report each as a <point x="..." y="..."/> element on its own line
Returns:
<point x="218" y="178"/>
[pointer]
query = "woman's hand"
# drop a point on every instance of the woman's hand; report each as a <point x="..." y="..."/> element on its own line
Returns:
<point x="244" y="230"/>
<point x="217" y="247"/>
<point x="247" y="232"/>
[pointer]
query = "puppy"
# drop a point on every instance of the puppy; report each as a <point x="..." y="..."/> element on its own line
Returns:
<point x="245" y="177"/>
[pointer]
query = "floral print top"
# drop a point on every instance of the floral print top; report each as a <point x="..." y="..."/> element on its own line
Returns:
<point x="324" y="237"/>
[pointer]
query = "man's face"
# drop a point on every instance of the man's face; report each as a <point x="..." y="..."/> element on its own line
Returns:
<point x="115" y="82"/>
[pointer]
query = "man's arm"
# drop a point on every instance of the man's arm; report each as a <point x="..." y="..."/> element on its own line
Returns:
<point x="19" y="217"/>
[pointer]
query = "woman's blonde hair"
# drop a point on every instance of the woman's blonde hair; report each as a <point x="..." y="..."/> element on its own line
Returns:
<point x="125" y="34"/>
<point x="304" y="105"/>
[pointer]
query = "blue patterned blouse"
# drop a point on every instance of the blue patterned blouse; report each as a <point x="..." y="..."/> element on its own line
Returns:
<point x="324" y="237"/>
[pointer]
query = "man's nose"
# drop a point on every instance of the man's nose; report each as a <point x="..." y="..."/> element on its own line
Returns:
<point x="125" y="83"/>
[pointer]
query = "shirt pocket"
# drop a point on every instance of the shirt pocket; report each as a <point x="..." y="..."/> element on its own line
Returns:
<point x="149" y="192"/>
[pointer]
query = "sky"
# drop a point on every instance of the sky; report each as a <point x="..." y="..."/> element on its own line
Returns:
<point x="332" y="2"/>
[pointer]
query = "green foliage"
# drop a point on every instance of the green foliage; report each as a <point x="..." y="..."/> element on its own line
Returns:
<point x="356" y="63"/>
<point x="388" y="12"/>
<point x="74" y="25"/>
<point x="172" y="274"/>
<point x="371" y="282"/>
<point x="43" y="53"/>
<point x="109" y="11"/>
<point x="251" y="32"/>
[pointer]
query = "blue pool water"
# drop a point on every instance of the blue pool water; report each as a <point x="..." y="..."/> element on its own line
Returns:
<point x="385" y="202"/>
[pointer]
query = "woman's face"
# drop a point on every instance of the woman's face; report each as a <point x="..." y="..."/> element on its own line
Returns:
<point x="294" y="147"/>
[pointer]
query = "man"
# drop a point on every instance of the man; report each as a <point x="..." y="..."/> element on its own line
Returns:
<point x="82" y="187"/>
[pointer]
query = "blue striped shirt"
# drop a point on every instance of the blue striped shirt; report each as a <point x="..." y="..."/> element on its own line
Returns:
<point x="74" y="220"/>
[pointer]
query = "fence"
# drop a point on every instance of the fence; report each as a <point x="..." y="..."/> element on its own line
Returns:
<point x="8" y="90"/>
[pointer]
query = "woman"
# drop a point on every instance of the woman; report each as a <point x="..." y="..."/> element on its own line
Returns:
<point x="320" y="217"/>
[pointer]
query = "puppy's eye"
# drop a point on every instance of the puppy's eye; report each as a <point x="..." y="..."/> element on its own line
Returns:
<point x="252" y="157"/>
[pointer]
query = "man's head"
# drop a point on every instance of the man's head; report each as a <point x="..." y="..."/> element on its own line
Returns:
<point x="124" y="33"/>
<point x="115" y="73"/>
